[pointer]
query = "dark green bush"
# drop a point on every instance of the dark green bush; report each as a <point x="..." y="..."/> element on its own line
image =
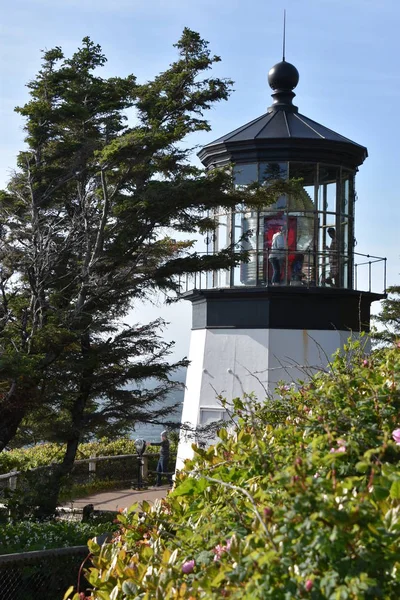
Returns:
<point x="26" y="536"/>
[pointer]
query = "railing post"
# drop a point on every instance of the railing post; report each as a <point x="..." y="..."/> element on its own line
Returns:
<point x="384" y="276"/>
<point x="13" y="480"/>
<point x="92" y="468"/>
<point x="369" y="275"/>
<point x="144" y="468"/>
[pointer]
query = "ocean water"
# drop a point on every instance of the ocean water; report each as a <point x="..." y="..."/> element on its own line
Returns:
<point x="151" y="432"/>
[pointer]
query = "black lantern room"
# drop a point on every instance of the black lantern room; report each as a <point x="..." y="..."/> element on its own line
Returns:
<point x="315" y="229"/>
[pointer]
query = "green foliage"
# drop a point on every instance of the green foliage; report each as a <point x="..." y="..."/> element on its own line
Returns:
<point x="27" y="536"/>
<point x="22" y="459"/>
<point x="301" y="499"/>
<point x="110" y="475"/>
<point x="389" y="318"/>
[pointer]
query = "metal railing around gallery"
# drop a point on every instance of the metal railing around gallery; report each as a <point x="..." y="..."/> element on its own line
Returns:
<point x="309" y="269"/>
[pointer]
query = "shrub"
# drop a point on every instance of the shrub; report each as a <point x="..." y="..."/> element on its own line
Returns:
<point x="22" y="459"/>
<point x="300" y="500"/>
<point x="28" y="535"/>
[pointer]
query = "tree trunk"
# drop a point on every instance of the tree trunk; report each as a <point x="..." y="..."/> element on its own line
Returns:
<point x="10" y="420"/>
<point x="12" y="412"/>
<point x="48" y="500"/>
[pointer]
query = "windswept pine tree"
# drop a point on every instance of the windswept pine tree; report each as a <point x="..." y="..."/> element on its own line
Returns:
<point x="389" y="318"/>
<point x="93" y="219"/>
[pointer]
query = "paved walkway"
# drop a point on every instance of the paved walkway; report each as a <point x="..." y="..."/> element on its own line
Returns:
<point x="120" y="499"/>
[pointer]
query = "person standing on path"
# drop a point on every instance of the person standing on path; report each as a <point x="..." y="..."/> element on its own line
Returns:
<point x="162" y="466"/>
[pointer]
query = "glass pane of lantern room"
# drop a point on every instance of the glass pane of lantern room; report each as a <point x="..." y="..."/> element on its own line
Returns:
<point x="242" y="241"/>
<point x="304" y="206"/>
<point x="222" y="232"/>
<point x="246" y="173"/>
<point x="329" y="239"/>
<point x="346" y="227"/>
<point x="266" y="223"/>
<point x="272" y="171"/>
<point x="250" y="271"/>
<point x="329" y="179"/>
<point x="301" y="226"/>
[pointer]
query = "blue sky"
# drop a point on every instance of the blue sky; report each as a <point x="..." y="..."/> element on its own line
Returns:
<point x="346" y="51"/>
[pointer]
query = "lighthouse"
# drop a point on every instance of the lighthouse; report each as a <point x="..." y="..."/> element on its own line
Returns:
<point x="282" y="313"/>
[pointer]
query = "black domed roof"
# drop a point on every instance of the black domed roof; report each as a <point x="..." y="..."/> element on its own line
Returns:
<point x="283" y="133"/>
<point x="283" y="76"/>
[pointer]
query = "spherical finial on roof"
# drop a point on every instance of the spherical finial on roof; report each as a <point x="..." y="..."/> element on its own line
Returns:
<point x="283" y="76"/>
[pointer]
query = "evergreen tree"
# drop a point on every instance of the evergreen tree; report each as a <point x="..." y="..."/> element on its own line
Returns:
<point x="389" y="318"/>
<point x="88" y="223"/>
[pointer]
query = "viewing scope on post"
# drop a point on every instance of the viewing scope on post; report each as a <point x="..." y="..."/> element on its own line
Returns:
<point x="140" y="449"/>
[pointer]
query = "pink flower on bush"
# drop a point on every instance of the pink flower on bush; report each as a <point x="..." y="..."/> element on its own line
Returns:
<point x="336" y="450"/>
<point x="396" y="436"/>
<point x="219" y="550"/>
<point x="188" y="566"/>
<point x="308" y="585"/>
<point x="341" y="447"/>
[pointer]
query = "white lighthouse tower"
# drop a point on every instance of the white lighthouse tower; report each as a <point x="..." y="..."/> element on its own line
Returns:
<point x="295" y="302"/>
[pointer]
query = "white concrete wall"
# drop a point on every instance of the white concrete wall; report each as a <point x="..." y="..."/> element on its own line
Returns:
<point x="231" y="359"/>
<point x="234" y="362"/>
<point x="191" y="401"/>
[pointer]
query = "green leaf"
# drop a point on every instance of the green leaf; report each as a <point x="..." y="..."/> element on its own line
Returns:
<point x="220" y="576"/>
<point x="380" y="492"/>
<point x="114" y="593"/>
<point x="102" y="595"/>
<point x="129" y="588"/>
<point x="362" y="467"/>
<point x="395" y="490"/>
<point x="189" y="486"/>
<point x="172" y="558"/>
<point x="68" y="592"/>
<point x="92" y="576"/>
<point x="223" y="434"/>
<point x="390" y="471"/>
